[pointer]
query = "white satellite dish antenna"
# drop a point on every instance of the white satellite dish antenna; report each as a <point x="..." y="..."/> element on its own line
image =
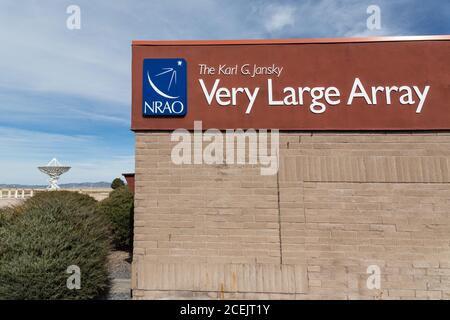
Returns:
<point x="54" y="170"/>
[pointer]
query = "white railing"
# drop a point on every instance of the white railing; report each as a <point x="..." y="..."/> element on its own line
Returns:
<point x="16" y="193"/>
<point x="13" y="193"/>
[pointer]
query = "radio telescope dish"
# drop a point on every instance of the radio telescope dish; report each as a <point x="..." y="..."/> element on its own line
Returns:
<point x="54" y="170"/>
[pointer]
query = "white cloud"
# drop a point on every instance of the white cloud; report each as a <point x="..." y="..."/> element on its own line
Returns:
<point x="279" y="17"/>
<point x="324" y="18"/>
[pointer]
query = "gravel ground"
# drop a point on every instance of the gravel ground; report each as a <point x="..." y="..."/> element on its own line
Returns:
<point x="120" y="273"/>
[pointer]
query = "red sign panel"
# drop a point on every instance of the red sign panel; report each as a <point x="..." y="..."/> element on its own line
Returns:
<point x="328" y="84"/>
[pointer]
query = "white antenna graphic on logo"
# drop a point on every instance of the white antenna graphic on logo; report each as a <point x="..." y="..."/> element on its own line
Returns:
<point x="173" y="78"/>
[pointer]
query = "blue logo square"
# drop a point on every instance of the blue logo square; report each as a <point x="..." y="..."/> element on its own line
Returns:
<point x="164" y="90"/>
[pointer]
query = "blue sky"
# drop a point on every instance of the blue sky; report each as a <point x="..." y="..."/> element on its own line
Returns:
<point x="66" y="93"/>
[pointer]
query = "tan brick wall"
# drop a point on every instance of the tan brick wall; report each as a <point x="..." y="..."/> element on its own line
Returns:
<point x="340" y="203"/>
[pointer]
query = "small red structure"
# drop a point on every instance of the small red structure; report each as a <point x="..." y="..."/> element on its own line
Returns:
<point x="129" y="177"/>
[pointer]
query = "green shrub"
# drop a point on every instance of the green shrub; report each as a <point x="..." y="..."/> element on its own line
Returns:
<point x="3" y="217"/>
<point x="52" y="231"/>
<point x="117" y="183"/>
<point x="8" y="213"/>
<point x="118" y="208"/>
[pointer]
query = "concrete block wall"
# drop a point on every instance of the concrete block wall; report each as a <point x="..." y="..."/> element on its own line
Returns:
<point x="340" y="203"/>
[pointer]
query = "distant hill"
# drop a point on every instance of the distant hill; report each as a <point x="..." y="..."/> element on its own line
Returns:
<point x="81" y="185"/>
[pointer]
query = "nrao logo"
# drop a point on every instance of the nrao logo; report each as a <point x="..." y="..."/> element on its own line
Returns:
<point x="164" y="91"/>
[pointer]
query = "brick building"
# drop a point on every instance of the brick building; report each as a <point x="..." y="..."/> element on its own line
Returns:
<point x="359" y="188"/>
